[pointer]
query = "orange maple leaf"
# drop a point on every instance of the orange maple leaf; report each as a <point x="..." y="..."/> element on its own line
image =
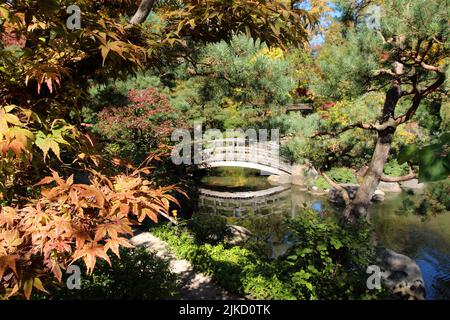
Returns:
<point x="89" y="253"/>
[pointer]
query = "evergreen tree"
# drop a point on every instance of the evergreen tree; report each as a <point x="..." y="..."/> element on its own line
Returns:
<point x="399" y="47"/>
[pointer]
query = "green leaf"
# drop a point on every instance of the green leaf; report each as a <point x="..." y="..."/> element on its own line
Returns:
<point x="429" y="153"/>
<point x="433" y="170"/>
<point x="337" y="244"/>
<point x="408" y="154"/>
<point x="47" y="143"/>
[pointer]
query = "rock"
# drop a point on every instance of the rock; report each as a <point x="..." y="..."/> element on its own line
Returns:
<point x="412" y="184"/>
<point x="401" y="275"/>
<point x="335" y="196"/>
<point x="280" y="179"/>
<point x="239" y="234"/>
<point x="317" y="191"/>
<point x="378" y="196"/>
<point x="389" y="187"/>
<point x="285" y="179"/>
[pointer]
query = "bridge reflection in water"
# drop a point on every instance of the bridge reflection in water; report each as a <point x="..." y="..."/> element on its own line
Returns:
<point x="262" y="212"/>
<point x="282" y="200"/>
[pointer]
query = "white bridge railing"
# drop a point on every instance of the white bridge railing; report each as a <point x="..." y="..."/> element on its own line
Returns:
<point x="238" y="151"/>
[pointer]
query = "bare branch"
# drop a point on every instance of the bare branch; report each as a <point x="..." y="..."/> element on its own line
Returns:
<point x="338" y="187"/>
<point x="391" y="122"/>
<point x="366" y="126"/>
<point x="411" y="175"/>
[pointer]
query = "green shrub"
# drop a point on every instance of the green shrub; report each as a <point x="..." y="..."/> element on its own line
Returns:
<point x="138" y="275"/>
<point x="321" y="183"/>
<point x="238" y="270"/>
<point x="436" y="200"/>
<point x="208" y="228"/>
<point x="393" y="169"/>
<point x="342" y="175"/>
<point x="326" y="261"/>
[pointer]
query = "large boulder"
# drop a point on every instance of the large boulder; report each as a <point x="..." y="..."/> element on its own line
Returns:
<point x="280" y="179"/>
<point x="335" y="196"/>
<point x="378" y="196"/>
<point x="389" y="187"/>
<point x="239" y="234"/>
<point x="412" y="184"/>
<point x="401" y="275"/>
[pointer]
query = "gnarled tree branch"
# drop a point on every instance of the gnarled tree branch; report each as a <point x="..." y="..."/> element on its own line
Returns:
<point x="338" y="187"/>
<point x="411" y="175"/>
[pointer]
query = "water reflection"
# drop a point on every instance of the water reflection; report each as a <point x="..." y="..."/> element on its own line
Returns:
<point x="427" y="242"/>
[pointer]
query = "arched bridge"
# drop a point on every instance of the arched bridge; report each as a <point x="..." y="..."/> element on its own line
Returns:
<point x="236" y="152"/>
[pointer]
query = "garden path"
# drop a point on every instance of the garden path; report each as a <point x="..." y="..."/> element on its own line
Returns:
<point x="194" y="285"/>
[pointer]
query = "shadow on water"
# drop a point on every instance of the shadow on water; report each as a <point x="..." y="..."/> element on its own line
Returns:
<point x="425" y="241"/>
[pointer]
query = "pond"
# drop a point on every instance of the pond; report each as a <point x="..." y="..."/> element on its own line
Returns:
<point x="427" y="241"/>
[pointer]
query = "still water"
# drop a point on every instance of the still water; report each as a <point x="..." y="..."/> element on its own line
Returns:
<point x="427" y="241"/>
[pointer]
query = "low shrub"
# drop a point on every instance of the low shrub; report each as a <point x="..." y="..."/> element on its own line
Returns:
<point x="208" y="229"/>
<point x="393" y="169"/>
<point x="342" y="175"/>
<point x="436" y="199"/>
<point x="137" y="275"/>
<point x="321" y="183"/>
<point x="238" y="270"/>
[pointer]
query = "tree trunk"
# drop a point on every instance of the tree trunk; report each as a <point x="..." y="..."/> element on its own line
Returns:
<point x="359" y="206"/>
<point x="142" y="12"/>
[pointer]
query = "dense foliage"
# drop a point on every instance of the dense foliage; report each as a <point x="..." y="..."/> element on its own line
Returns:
<point x="137" y="275"/>
<point x="63" y="197"/>
<point x="325" y="261"/>
<point x="142" y="125"/>
<point x="86" y="117"/>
